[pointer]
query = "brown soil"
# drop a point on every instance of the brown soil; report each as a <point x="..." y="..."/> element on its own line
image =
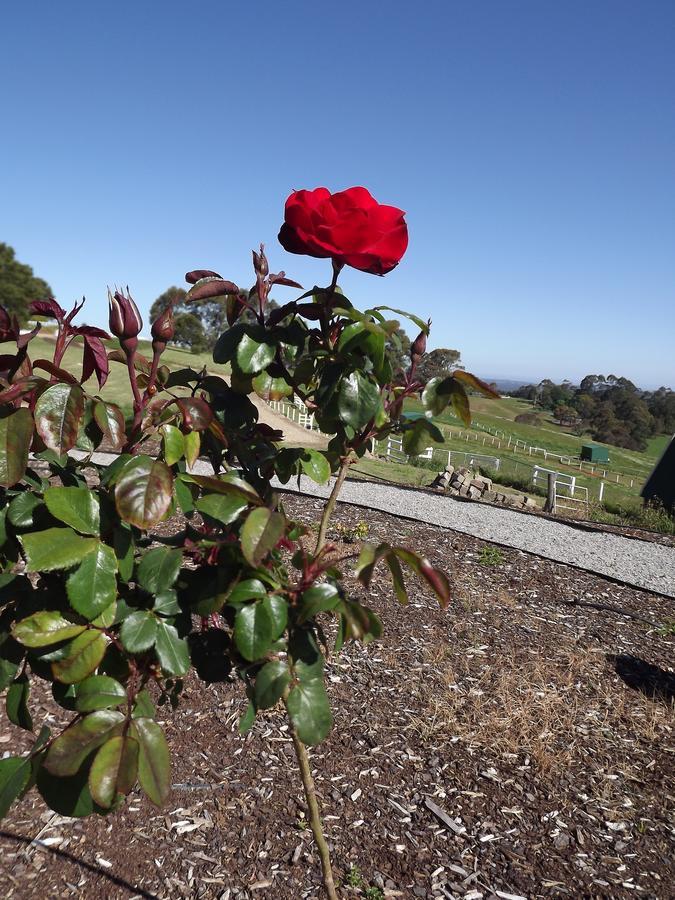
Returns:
<point x="519" y="743"/>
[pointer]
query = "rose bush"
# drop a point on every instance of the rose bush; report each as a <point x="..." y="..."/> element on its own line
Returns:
<point x="114" y="613"/>
<point x="350" y="227"/>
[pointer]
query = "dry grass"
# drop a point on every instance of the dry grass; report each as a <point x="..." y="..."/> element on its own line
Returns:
<point x="545" y="712"/>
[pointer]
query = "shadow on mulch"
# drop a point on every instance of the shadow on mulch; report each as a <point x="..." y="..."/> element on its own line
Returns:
<point x="133" y="889"/>
<point x="652" y="681"/>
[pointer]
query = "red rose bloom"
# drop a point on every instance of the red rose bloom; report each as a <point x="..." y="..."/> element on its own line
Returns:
<point x="350" y="227"/>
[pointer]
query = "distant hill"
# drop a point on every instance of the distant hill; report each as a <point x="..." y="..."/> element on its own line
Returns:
<point x="504" y="385"/>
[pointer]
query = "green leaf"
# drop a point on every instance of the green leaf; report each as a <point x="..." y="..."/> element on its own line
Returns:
<point x="270" y="388"/>
<point x="460" y="402"/>
<point x="84" y="656"/>
<point x="228" y="484"/>
<point x="124" y="551"/>
<point x="66" y="796"/>
<point x="166" y="604"/>
<point x="114" y="769"/>
<point x="397" y="578"/>
<point x="358" y="400"/>
<point x="184" y="495"/>
<point x="154" y="766"/>
<point x="158" y="569"/>
<point x="110" y="420"/>
<point x="260" y="533"/>
<point x="316" y="466"/>
<point x="16" y="433"/>
<point x="247" y="720"/>
<point x="20" y="511"/>
<point x="69" y="750"/>
<point x="253" y="356"/>
<point x="359" y="622"/>
<point x="138" y="631"/>
<point x="278" y="613"/>
<point x="270" y="684"/>
<point x="144" y="491"/>
<point x="44" y="628"/>
<point x="58" y="413"/>
<point x="92" y="587"/>
<point x="421" y="324"/>
<point x="144" y="706"/>
<point x="473" y="382"/>
<point x="55" y="548"/>
<point x="435" y="400"/>
<point x="173" y="443"/>
<point x="253" y="630"/>
<point x="17" y="703"/>
<point x="99" y="692"/>
<point x="172" y="651"/>
<point x="226" y="345"/>
<point x="106" y="617"/>
<point x="193" y="443"/>
<point x="14" y="775"/>
<point x="437" y="580"/>
<point x="416" y="439"/>
<point x="249" y="589"/>
<point x="76" y="506"/>
<point x="11" y="656"/>
<point x="309" y="711"/>
<point x="224" y="508"/>
<point x="317" y="599"/>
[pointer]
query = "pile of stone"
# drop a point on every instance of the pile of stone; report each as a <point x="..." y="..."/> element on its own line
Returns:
<point x="463" y="482"/>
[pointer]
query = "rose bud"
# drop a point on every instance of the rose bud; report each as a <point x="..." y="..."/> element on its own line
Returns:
<point x="162" y="329"/>
<point x="8" y="327"/>
<point x="260" y="262"/>
<point x="125" y="320"/>
<point x="419" y="346"/>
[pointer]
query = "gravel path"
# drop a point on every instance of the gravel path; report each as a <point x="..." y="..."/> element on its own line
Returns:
<point x="642" y="564"/>
<point x="639" y="563"/>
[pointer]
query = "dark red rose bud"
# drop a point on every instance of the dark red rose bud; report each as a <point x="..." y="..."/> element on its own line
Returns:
<point x="125" y="319"/>
<point x="8" y="329"/>
<point x="163" y="327"/>
<point x="260" y="262"/>
<point x="419" y="346"/>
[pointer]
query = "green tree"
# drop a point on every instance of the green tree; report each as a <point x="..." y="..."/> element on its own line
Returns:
<point x="397" y="349"/>
<point x="18" y="284"/>
<point x="438" y="363"/>
<point x="189" y="333"/>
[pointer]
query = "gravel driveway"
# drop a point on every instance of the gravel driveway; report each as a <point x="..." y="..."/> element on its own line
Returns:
<point x="639" y="563"/>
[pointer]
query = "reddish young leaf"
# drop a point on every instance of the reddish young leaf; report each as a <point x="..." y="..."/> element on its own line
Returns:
<point x="197" y="414"/>
<point x="58" y="413"/>
<point x="16" y="431"/>
<point x="49" y="308"/>
<point x="95" y="360"/>
<point x="143" y="492"/>
<point x="197" y="275"/>
<point x="49" y="366"/>
<point x="209" y="287"/>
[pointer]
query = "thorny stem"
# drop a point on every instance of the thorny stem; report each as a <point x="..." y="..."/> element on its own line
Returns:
<point x="332" y="500"/>
<point x="314" y="813"/>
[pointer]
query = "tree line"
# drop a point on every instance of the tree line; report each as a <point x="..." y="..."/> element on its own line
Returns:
<point x="611" y="409"/>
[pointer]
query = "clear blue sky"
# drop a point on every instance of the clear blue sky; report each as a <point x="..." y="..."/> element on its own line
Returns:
<point x="532" y="145"/>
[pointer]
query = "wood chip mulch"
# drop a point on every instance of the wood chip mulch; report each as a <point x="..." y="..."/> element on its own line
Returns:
<point x="519" y="744"/>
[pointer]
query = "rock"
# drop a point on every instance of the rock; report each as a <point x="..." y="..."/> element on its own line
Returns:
<point x="561" y="841"/>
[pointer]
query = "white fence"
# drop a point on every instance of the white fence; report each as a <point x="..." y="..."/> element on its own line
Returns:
<point x="296" y="412"/>
<point x="392" y="448"/>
